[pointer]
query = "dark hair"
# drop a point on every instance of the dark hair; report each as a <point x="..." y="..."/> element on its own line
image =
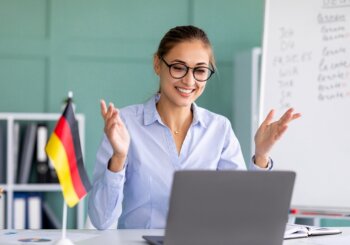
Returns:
<point x="180" y="34"/>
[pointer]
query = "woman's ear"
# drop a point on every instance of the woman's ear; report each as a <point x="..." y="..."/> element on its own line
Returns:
<point x="156" y="64"/>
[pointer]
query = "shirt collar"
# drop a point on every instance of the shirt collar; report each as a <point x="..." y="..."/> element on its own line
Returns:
<point x="151" y="114"/>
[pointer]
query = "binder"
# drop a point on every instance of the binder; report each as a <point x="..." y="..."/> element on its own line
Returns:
<point x="52" y="173"/>
<point x="19" y="210"/>
<point x="41" y="143"/>
<point x="50" y="220"/>
<point x="2" y="155"/>
<point x="27" y="153"/>
<point x="2" y="211"/>
<point x="34" y="213"/>
<point x="42" y="167"/>
<point x="16" y="143"/>
<point x="27" y="210"/>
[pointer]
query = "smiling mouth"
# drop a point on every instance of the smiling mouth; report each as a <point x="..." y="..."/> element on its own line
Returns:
<point x="185" y="91"/>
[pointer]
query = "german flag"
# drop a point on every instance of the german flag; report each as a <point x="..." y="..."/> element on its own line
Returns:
<point x="64" y="150"/>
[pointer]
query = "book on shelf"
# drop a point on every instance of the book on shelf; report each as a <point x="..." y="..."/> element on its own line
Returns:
<point x="27" y="151"/>
<point x="299" y="231"/>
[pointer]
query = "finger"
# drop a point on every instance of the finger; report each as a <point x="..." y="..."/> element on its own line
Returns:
<point x="119" y="120"/>
<point x="107" y="111"/>
<point x="115" y="121"/>
<point x="110" y="110"/>
<point x="269" y="118"/>
<point x="281" y="131"/>
<point x="103" y="108"/>
<point x="286" y="117"/>
<point x="289" y="116"/>
<point x="296" y="116"/>
<point x="111" y="127"/>
<point x="112" y="120"/>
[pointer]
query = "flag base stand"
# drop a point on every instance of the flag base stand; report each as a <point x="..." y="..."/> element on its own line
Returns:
<point x="64" y="241"/>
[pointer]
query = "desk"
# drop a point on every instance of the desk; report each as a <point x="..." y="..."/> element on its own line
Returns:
<point x="134" y="237"/>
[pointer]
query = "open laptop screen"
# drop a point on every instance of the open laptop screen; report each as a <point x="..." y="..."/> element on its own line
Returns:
<point x="228" y="207"/>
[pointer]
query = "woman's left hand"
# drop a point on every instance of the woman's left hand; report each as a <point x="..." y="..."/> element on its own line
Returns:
<point x="268" y="133"/>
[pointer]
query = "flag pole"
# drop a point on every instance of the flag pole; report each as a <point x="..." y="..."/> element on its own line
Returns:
<point x="64" y="240"/>
<point x="64" y="221"/>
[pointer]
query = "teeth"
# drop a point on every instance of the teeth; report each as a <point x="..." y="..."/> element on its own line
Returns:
<point x="186" y="91"/>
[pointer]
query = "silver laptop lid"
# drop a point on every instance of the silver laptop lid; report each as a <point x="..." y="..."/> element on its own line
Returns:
<point x="229" y="207"/>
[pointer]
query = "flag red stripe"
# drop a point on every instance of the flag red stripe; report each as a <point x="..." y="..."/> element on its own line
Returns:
<point x="64" y="133"/>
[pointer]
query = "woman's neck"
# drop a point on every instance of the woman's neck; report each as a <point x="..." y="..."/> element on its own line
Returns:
<point x="178" y="119"/>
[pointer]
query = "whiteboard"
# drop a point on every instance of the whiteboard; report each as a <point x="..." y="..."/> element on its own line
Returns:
<point x="306" y="65"/>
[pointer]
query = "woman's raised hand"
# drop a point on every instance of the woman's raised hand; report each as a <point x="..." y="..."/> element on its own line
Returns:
<point x="269" y="132"/>
<point x="117" y="135"/>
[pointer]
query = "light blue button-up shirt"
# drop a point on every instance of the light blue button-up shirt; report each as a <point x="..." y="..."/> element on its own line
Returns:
<point x="146" y="180"/>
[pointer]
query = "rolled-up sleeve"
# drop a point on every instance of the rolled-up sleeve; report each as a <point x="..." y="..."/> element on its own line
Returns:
<point x="253" y="166"/>
<point x="106" y="190"/>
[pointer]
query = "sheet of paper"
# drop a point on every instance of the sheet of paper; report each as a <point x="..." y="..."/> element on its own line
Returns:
<point x="332" y="239"/>
<point x="37" y="237"/>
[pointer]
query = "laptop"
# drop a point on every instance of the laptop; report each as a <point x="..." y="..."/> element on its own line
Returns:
<point x="227" y="207"/>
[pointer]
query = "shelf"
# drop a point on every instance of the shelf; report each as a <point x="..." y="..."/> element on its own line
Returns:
<point x="34" y="116"/>
<point x="37" y="187"/>
<point x="9" y="121"/>
<point x="32" y="187"/>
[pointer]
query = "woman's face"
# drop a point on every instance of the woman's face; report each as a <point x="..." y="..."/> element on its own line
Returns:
<point x="184" y="91"/>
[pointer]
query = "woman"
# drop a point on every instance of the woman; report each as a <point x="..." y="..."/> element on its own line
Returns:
<point x="144" y="144"/>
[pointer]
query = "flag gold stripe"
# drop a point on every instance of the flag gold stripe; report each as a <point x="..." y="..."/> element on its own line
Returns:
<point x="58" y="156"/>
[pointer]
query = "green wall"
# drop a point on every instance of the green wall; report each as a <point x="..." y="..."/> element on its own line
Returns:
<point x="104" y="48"/>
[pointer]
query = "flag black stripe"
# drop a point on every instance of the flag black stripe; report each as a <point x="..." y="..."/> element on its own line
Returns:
<point x="73" y="124"/>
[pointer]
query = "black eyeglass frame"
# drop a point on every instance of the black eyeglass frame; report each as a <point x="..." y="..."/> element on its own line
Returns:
<point x="187" y="69"/>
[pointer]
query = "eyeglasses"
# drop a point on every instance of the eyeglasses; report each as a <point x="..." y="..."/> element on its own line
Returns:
<point x="180" y="70"/>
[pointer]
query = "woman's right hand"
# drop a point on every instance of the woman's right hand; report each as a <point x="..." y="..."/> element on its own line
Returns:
<point x="117" y="135"/>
